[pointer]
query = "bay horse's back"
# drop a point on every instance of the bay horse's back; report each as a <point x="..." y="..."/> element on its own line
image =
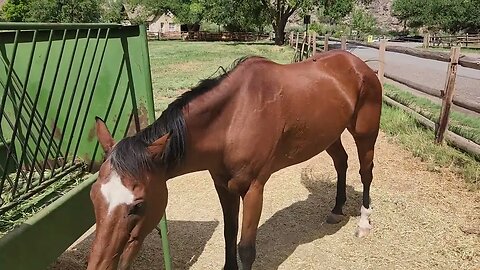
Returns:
<point x="318" y="99"/>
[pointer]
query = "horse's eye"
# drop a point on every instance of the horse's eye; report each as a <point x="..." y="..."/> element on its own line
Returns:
<point x="137" y="209"/>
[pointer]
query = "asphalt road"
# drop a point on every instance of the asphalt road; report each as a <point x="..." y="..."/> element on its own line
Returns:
<point x="424" y="71"/>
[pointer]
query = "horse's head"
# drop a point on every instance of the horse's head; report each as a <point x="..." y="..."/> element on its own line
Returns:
<point x="128" y="205"/>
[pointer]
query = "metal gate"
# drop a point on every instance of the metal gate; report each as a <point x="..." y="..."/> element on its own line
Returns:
<point x="54" y="80"/>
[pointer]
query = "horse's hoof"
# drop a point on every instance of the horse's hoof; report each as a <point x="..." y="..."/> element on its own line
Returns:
<point x="334" y="218"/>
<point x="362" y="232"/>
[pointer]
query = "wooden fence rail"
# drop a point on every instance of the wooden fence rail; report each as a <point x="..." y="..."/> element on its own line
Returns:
<point x="454" y="59"/>
<point x="463" y="103"/>
<point x="208" y="36"/>
<point x="465" y="61"/>
<point x="466" y="40"/>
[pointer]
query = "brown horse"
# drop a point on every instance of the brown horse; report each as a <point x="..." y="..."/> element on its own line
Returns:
<point x="242" y="126"/>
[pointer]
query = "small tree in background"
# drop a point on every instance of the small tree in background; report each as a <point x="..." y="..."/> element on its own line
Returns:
<point x="237" y="16"/>
<point x="15" y="10"/>
<point x="113" y="11"/>
<point x="363" y="21"/>
<point x="64" y="11"/>
<point x="337" y="10"/>
<point x="449" y="16"/>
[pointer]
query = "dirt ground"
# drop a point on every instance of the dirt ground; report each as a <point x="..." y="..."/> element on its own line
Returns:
<point x="421" y="220"/>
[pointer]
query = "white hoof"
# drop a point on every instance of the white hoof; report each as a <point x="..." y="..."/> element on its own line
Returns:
<point x="364" y="225"/>
<point x="362" y="232"/>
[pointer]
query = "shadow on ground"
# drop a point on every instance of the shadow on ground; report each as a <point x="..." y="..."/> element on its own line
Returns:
<point x="303" y="221"/>
<point x="187" y="242"/>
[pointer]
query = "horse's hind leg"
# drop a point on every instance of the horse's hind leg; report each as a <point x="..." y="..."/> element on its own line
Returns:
<point x="365" y="148"/>
<point x="365" y="131"/>
<point x="340" y="157"/>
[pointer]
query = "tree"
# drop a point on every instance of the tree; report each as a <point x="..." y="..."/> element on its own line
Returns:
<point x="113" y="11"/>
<point x="281" y="10"/>
<point x="245" y="14"/>
<point x="237" y="16"/>
<point x="363" y="21"/>
<point x="15" y="10"/>
<point x="446" y="15"/>
<point x="472" y="16"/>
<point x="189" y="12"/>
<point x="64" y="11"/>
<point x="336" y="10"/>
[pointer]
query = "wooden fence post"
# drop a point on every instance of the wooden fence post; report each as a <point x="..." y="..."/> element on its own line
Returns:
<point x="314" y="44"/>
<point x="344" y="43"/>
<point x="296" y="43"/>
<point x="325" y="43"/>
<point x="303" y="45"/>
<point x="381" y="59"/>
<point x="291" y="39"/>
<point x="448" y="97"/>
<point x="426" y="40"/>
<point x="309" y="43"/>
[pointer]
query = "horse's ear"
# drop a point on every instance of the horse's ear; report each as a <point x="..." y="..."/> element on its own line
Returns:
<point x="104" y="137"/>
<point x="157" y="147"/>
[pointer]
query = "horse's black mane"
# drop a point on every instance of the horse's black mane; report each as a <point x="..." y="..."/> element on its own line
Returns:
<point x="130" y="155"/>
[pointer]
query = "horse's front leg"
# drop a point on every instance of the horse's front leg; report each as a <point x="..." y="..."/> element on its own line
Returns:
<point x="230" y="203"/>
<point x="252" y="209"/>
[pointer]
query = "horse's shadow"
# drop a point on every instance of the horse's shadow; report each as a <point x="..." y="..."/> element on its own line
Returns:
<point x="187" y="242"/>
<point x="303" y="221"/>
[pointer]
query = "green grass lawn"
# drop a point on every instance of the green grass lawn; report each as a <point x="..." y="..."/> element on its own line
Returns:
<point x="474" y="51"/>
<point x="404" y="129"/>
<point x="467" y="126"/>
<point x="177" y="66"/>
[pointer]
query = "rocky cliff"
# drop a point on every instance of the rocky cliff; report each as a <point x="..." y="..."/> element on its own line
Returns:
<point x="381" y="10"/>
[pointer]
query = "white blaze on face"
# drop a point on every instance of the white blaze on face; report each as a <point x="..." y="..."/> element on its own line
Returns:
<point x="115" y="193"/>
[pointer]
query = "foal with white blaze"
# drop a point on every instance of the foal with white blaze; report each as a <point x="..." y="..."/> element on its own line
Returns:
<point x="242" y="126"/>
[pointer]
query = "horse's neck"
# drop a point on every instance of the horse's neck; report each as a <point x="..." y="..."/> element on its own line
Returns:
<point x="204" y="140"/>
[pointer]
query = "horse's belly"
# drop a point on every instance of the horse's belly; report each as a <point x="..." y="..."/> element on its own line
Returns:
<point x="306" y="141"/>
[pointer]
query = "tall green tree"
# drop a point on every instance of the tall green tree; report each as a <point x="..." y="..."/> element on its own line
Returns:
<point x="64" y="11"/>
<point x="446" y="15"/>
<point x="337" y="10"/>
<point x="247" y="15"/>
<point x="363" y="21"/>
<point x="15" y="10"/>
<point x="113" y="11"/>
<point x="279" y="11"/>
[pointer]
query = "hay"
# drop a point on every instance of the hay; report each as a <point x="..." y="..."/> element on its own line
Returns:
<point x="29" y="207"/>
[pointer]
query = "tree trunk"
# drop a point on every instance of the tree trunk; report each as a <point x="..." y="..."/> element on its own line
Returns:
<point x="280" y="30"/>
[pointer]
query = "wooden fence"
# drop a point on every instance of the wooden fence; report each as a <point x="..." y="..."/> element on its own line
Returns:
<point x="302" y="44"/>
<point x="208" y="36"/>
<point x="463" y="41"/>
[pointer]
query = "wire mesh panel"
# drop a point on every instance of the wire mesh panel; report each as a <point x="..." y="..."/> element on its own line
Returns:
<point x="54" y="79"/>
